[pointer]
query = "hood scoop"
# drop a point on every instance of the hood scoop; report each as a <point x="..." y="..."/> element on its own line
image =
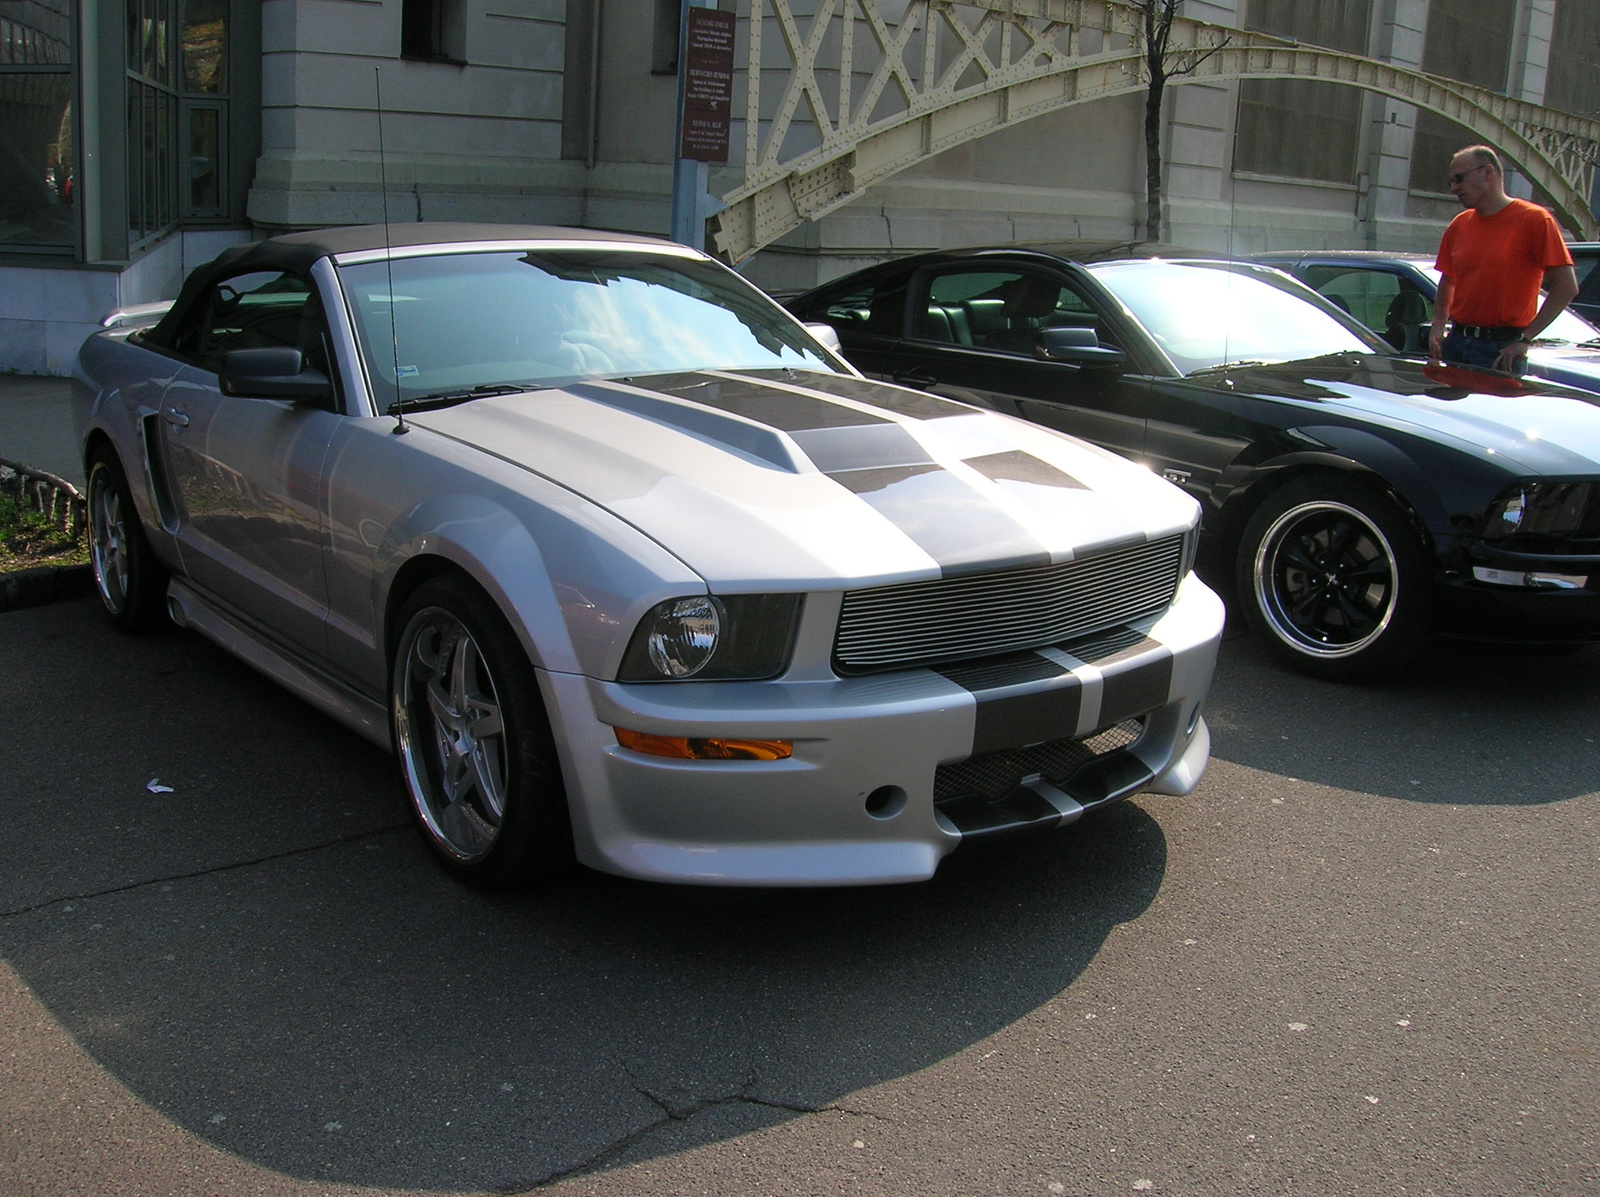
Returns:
<point x="730" y="431"/>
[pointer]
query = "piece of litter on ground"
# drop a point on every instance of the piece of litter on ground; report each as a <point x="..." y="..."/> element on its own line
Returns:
<point x="1297" y="1026"/>
<point x="1372" y="1099"/>
<point x="1143" y="1186"/>
<point x="155" y="787"/>
<point x="858" y="1143"/>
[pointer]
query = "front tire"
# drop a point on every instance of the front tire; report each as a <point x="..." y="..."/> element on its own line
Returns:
<point x="476" y="755"/>
<point x="131" y="582"/>
<point x="1333" y="578"/>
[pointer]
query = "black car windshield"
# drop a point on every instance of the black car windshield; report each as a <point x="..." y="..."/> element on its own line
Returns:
<point x="451" y="322"/>
<point x="1208" y="314"/>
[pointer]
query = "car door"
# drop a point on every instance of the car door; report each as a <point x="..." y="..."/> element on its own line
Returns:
<point x="245" y="475"/>
<point x="973" y="333"/>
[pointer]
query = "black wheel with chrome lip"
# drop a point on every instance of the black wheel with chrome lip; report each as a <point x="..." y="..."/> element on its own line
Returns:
<point x="131" y="583"/>
<point x="1333" y="578"/>
<point x="475" y="749"/>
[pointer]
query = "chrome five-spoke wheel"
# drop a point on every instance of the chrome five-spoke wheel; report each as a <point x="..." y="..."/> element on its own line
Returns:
<point x="132" y="584"/>
<point x="474" y="745"/>
<point x="107" y="537"/>
<point x="451" y="734"/>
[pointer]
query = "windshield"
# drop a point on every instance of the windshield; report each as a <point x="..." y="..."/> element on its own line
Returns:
<point x="451" y="322"/>
<point x="1207" y="314"/>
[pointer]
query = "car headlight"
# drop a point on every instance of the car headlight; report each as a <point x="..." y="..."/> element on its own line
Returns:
<point x="744" y="637"/>
<point x="1549" y="510"/>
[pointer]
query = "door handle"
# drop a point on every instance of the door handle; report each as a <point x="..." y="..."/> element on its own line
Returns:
<point x="915" y="377"/>
<point x="175" y="417"/>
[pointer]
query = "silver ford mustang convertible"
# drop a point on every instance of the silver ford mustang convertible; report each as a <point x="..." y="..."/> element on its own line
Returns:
<point x="626" y="565"/>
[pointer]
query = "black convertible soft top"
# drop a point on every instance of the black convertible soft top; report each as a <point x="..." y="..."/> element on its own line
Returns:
<point x="298" y="252"/>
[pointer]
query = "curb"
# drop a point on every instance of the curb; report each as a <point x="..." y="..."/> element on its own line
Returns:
<point x="44" y="584"/>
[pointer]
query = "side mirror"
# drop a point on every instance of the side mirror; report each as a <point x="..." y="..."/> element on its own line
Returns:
<point x="828" y="335"/>
<point x="276" y="373"/>
<point x="1079" y="347"/>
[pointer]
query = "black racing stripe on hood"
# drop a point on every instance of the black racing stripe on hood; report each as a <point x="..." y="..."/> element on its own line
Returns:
<point x="1018" y="466"/>
<point x="946" y="517"/>
<point x="782" y="407"/>
<point x="752" y="439"/>
<point x="918" y="405"/>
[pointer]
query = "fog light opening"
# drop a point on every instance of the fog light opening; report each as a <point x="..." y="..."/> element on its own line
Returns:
<point x="886" y="802"/>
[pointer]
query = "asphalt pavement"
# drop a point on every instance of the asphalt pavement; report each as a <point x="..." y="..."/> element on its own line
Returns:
<point x="1362" y="958"/>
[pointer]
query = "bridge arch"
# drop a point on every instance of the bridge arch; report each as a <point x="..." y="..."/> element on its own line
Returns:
<point x="985" y="65"/>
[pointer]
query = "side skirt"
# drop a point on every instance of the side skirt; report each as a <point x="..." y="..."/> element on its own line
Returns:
<point x="359" y="713"/>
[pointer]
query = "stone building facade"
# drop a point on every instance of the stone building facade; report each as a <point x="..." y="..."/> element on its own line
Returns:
<point x="138" y="137"/>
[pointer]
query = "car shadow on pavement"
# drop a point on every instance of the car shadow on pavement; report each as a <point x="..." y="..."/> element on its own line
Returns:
<point x="1532" y="719"/>
<point x="260" y="948"/>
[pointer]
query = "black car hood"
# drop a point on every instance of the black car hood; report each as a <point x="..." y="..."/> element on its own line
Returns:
<point x="1540" y="427"/>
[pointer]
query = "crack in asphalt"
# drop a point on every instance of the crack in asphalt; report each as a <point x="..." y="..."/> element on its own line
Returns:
<point x="353" y="838"/>
<point x="674" y="1113"/>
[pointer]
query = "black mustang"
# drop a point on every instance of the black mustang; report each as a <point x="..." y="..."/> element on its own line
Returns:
<point x="1364" y="502"/>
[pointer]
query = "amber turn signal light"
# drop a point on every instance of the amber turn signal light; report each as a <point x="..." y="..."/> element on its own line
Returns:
<point x="718" y="748"/>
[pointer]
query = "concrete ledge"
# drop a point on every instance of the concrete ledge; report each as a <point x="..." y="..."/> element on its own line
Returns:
<point x="44" y="584"/>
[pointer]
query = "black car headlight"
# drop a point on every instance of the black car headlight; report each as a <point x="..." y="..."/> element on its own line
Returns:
<point x="1544" y="513"/>
<point x="737" y="637"/>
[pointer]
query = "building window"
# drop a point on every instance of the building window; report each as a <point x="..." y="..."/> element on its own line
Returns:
<point x="152" y="128"/>
<point x="1300" y="128"/>
<point x="433" y="30"/>
<point x="1469" y="40"/>
<point x="664" y="37"/>
<point x="1574" y="80"/>
<point x="38" y="140"/>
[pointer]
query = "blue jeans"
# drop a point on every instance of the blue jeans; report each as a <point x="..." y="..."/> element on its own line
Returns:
<point x="1474" y="351"/>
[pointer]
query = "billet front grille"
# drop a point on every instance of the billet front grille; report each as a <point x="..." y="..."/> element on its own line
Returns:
<point x="995" y="774"/>
<point x="956" y="619"/>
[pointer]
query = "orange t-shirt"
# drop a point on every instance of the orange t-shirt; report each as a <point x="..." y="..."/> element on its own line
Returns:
<point x="1498" y="263"/>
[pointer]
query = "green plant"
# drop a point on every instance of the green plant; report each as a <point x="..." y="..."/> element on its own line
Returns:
<point x="27" y="538"/>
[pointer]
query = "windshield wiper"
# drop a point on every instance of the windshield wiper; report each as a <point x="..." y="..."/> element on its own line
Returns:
<point x="441" y="399"/>
<point x="1241" y="364"/>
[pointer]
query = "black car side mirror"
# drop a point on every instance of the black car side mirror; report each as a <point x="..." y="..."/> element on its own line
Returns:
<point x="274" y="373"/>
<point x="1079" y="347"/>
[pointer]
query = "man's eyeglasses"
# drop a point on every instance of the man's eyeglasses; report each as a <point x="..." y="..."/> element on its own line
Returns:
<point x="1461" y="175"/>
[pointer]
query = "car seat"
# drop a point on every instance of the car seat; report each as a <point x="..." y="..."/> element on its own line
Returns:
<point x="1402" y="323"/>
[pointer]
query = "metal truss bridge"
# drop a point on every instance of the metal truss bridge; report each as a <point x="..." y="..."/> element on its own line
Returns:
<point x="842" y="94"/>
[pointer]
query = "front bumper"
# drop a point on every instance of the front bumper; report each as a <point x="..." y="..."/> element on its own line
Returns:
<point x="856" y="803"/>
<point x="1523" y="598"/>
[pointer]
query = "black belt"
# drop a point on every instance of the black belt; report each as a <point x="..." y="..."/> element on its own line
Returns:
<point x="1486" y="332"/>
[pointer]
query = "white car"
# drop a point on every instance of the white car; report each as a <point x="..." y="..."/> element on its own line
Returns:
<point x="626" y="565"/>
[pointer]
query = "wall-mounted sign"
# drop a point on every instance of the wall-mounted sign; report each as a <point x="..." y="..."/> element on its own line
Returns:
<point x="707" y="86"/>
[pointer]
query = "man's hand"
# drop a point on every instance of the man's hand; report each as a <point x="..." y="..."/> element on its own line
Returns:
<point x="1513" y="353"/>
